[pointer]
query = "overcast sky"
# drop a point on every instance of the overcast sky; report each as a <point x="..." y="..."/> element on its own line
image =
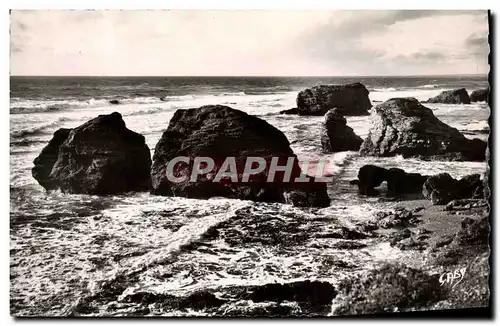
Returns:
<point x="243" y="43"/>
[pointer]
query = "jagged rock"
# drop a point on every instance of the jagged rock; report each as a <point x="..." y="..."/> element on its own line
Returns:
<point x="442" y="188"/>
<point x="336" y="135"/>
<point x="290" y="111"/>
<point x="220" y="132"/>
<point x="479" y="95"/>
<point x="350" y="100"/>
<point x="100" y="157"/>
<point x="455" y="96"/>
<point x="47" y="158"/>
<point x="403" y="126"/>
<point x="473" y="232"/>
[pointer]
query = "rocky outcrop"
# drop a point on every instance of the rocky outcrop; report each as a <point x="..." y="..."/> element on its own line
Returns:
<point x="290" y="111"/>
<point x="100" y="157"/>
<point x="350" y="100"/>
<point x="336" y="135"/>
<point x="403" y="126"/>
<point x="442" y="188"/>
<point x="398" y="181"/>
<point x="479" y="95"/>
<point x="220" y="132"/>
<point x="455" y="96"/>
<point x="47" y="158"/>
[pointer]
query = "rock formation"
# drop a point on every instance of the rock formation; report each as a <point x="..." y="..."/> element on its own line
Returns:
<point x="403" y="126"/>
<point x="100" y="157"/>
<point x="442" y="188"/>
<point x="455" y="96"/>
<point x="480" y="95"/>
<point x="336" y="136"/>
<point x="350" y="100"/>
<point x="220" y="132"/>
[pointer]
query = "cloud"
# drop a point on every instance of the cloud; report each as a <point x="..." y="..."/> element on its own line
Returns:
<point x="252" y="42"/>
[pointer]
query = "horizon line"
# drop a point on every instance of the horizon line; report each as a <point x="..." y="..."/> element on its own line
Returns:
<point x="258" y="76"/>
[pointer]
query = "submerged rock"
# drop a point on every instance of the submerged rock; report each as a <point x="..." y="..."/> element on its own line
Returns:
<point x="114" y="102"/>
<point x="442" y="188"/>
<point x="479" y="95"/>
<point x="100" y="157"/>
<point x="403" y="126"/>
<point x="455" y="96"/>
<point x="350" y="100"/>
<point x="336" y="135"/>
<point x="220" y="132"/>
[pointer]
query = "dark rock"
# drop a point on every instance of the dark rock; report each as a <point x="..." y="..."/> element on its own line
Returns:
<point x="369" y="177"/>
<point x="479" y="95"/>
<point x="220" y="132"/>
<point x="455" y="96"/>
<point x="410" y="244"/>
<point x="311" y="195"/>
<point x="465" y="204"/>
<point x="47" y="158"/>
<point x="387" y="289"/>
<point x="473" y="232"/>
<point x="399" y="182"/>
<point x="399" y="235"/>
<point x="350" y="100"/>
<point x="114" y="102"/>
<point x="402" y="126"/>
<point x="442" y="188"/>
<point x="308" y="293"/>
<point x="290" y="111"/>
<point x="444" y="241"/>
<point x="395" y="218"/>
<point x="336" y="136"/>
<point x="197" y="300"/>
<point x="100" y="157"/>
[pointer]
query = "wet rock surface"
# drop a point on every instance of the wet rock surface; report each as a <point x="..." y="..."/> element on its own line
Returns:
<point x="441" y="189"/>
<point x="455" y="96"/>
<point x="350" y="100"/>
<point x="403" y="126"/>
<point x="479" y="95"/>
<point x="388" y="288"/>
<point x="336" y="135"/>
<point x="100" y="157"/>
<point x="220" y="132"/>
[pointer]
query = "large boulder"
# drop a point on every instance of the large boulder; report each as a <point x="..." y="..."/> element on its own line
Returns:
<point x="403" y="126"/>
<point x="479" y="95"/>
<point x="350" y="100"/>
<point x="100" y="157"/>
<point x="454" y="96"/>
<point x="336" y="135"/>
<point x="220" y="132"/>
<point x="442" y="188"/>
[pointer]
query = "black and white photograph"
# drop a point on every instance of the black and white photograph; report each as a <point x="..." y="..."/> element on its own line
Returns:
<point x="247" y="163"/>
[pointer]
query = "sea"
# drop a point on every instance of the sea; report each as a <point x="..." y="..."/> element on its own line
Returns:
<point x="67" y="250"/>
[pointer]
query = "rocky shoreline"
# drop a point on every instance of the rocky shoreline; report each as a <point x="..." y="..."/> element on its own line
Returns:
<point x="442" y="225"/>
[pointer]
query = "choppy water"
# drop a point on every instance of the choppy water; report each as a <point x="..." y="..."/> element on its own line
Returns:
<point x="66" y="249"/>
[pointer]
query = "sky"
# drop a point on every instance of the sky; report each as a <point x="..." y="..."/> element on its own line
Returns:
<point x="248" y="42"/>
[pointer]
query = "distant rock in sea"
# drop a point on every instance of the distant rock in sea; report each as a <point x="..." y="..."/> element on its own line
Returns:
<point x="336" y="135"/>
<point x="479" y="95"/>
<point x="403" y="126"/>
<point x="350" y="100"/>
<point x="100" y="157"/>
<point x="455" y="96"/>
<point x="114" y="102"/>
<point x="219" y="132"/>
<point x="290" y="111"/>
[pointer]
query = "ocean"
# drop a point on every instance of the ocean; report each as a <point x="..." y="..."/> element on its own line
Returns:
<point x="67" y="251"/>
